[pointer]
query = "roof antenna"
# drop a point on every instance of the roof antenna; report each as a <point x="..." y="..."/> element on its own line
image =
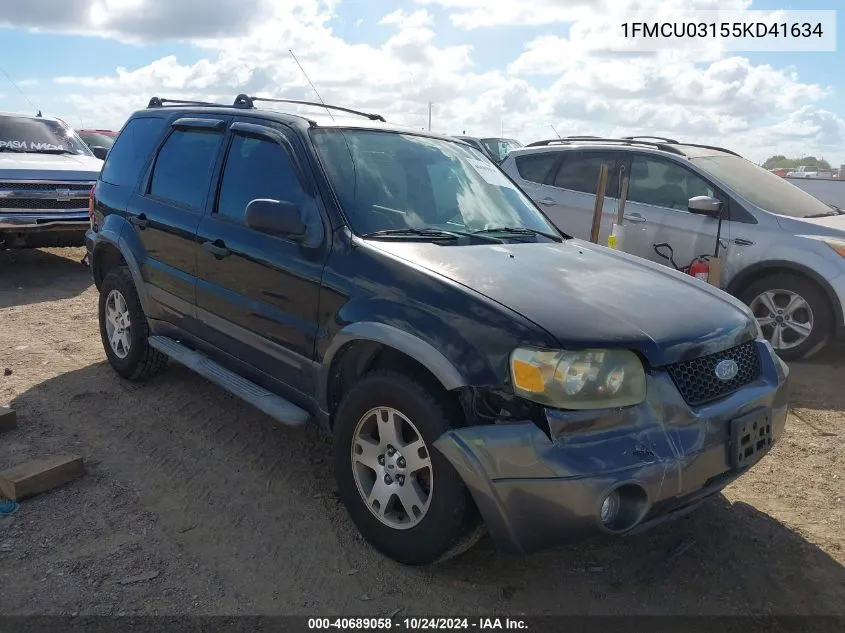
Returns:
<point x="313" y="87"/>
<point x="23" y="94"/>
<point x="554" y="130"/>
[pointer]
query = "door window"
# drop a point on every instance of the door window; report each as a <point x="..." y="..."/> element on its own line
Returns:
<point x="536" y="167"/>
<point x="580" y="172"/>
<point x="255" y="169"/>
<point x="665" y="184"/>
<point x="183" y="167"/>
<point x="131" y="150"/>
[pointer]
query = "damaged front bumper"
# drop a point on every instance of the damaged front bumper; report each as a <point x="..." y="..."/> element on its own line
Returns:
<point x="536" y="488"/>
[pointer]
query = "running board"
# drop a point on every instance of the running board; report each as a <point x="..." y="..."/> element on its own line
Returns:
<point x="277" y="408"/>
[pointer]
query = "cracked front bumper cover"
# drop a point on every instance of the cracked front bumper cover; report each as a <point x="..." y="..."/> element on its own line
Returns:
<point x="537" y="488"/>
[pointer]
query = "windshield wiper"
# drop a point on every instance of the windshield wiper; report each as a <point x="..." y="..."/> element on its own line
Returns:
<point x="432" y="233"/>
<point x="518" y="230"/>
<point x="53" y="151"/>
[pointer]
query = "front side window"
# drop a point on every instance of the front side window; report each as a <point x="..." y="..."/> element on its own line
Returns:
<point x="39" y="136"/>
<point x="580" y="172"/>
<point x="183" y="167"/>
<point x="256" y="169"/>
<point x="499" y="148"/>
<point x="391" y="181"/>
<point x="536" y="167"/>
<point x="665" y="184"/>
<point x="97" y="139"/>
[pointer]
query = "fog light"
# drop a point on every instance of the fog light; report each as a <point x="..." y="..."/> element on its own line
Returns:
<point x="610" y="508"/>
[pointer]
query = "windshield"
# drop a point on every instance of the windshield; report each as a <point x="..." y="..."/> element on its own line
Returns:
<point x="762" y="188"/>
<point x="388" y="181"/>
<point x="94" y="139"/>
<point x="26" y="134"/>
<point x="499" y="148"/>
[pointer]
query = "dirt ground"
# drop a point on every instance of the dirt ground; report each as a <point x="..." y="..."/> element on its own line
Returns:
<point x="195" y="503"/>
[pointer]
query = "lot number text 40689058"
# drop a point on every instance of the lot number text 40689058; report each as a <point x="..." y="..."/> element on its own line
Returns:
<point x="417" y="624"/>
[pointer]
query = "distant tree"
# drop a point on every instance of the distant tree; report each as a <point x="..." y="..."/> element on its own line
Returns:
<point x="782" y="162"/>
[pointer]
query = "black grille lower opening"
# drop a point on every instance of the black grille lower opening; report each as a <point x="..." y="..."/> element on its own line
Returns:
<point x="698" y="383"/>
<point x="34" y="203"/>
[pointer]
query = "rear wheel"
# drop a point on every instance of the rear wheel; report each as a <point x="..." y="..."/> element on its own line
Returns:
<point x="404" y="497"/>
<point x="793" y="313"/>
<point x="124" y="329"/>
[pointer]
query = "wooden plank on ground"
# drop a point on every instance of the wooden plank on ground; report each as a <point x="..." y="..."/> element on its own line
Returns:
<point x="8" y="419"/>
<point x="40" y="475"/>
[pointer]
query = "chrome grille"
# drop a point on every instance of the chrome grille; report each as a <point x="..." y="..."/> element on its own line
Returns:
<point x="45" y="195"/>
<point x="696" y="379"/>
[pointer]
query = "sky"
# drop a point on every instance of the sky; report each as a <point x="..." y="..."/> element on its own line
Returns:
<point x="525" y="69"/>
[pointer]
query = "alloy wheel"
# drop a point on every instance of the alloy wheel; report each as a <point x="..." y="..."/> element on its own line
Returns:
<point x="784" y="316"/>
<point x="118" y="324"/>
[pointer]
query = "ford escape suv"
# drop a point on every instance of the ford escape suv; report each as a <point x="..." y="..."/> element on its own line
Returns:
<point x="782" y="250"/>
<point x="46" y="175"/>
<point x="477" y="369"/>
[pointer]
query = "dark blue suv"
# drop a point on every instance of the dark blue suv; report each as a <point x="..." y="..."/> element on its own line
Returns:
<point x="477" y="368"/>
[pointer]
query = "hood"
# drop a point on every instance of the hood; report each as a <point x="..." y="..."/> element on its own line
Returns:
<point x="831" y="225"/>
<point x="33" y="166"/>
<point x="589" y="296"/>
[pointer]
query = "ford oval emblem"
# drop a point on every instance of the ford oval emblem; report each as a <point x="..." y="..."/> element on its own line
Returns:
<point x="727" y="369"/>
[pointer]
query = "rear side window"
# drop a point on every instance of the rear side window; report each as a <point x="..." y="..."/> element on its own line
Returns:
<point x="183" y="167"/>
<point x="130" y="151"/>
<point x="536" y="167"/>
<point x="580" y="172"/>
<point x="256" y="169"/>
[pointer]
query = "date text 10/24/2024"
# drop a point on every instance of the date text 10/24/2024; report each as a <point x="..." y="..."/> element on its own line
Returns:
<point x="417" y="624"/>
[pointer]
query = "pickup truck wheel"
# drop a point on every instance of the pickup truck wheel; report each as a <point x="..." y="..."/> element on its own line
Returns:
<point x="124" y="328"/>
<point x="793" y="313"/>
<point x="404" y="497"/>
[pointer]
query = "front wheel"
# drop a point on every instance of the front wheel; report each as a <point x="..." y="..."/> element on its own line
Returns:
<point x="404" y="497"/>
<point x="793" y="313"/>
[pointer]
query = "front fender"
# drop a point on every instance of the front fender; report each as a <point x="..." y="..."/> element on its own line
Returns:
<point x="425" y="353"/>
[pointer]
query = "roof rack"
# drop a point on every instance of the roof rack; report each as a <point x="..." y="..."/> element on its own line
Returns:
<point x="713" y="147"/>
<point x="160" y="102"/>
<point x="617" y="141"/>
<point x="246" y="101"/>
<point x="662" y="139"/>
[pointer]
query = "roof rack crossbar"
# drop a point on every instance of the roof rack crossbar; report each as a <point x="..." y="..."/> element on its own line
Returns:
<point x="249" y="102"/>
<point x="615" y="141"/>
<point x="653" y="138"/>
<point x="160" y="102"/>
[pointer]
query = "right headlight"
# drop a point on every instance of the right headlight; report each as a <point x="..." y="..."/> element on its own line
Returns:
<point x="578" y="379"/>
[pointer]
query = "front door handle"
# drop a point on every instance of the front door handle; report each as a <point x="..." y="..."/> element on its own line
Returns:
<point x="634" y="218"/>
<point x="217" y="248"/>
<point x="548" y="202"/>
<point x="140" y="221"/>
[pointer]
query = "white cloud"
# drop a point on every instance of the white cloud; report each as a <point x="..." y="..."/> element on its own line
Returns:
<point x="569" y="81"/>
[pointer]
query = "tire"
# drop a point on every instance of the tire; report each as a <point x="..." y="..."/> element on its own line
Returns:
<point x="450" y="525"/>
<point x="137" y="360"/>
<point x="819" y="310"/>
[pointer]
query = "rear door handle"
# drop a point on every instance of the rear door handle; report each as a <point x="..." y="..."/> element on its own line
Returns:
<point x="548" y="202"/>
<point x="634" y="218"/>
<point x="217" y="248"/>
<point x="140" y="221"/>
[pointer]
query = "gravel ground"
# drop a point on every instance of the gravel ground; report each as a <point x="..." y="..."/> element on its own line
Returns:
<point x="195" y="503"/>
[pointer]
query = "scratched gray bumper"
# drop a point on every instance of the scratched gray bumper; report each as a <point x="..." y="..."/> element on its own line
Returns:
<point x="536" y="488"/>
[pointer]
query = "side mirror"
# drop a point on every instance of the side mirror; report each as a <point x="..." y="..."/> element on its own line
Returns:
<point x="275" y="217"/>
<point x="100" y="151"/>
<point x="705" y="205"/>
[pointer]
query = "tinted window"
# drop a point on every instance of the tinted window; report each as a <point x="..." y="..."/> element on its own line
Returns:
<point x="94" y="139"/>
<point x="183" y="167"/>
<point x="580" y="172"/>
<point x="131" y="150"/>
<point x="536" y="167"/>
<point x="256" y="169"/>
<point x="664" y="184"/>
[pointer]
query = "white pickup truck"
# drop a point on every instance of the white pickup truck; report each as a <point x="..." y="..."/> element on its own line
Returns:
<point x="46" y="175"/>
<point x="804" y="171"/>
